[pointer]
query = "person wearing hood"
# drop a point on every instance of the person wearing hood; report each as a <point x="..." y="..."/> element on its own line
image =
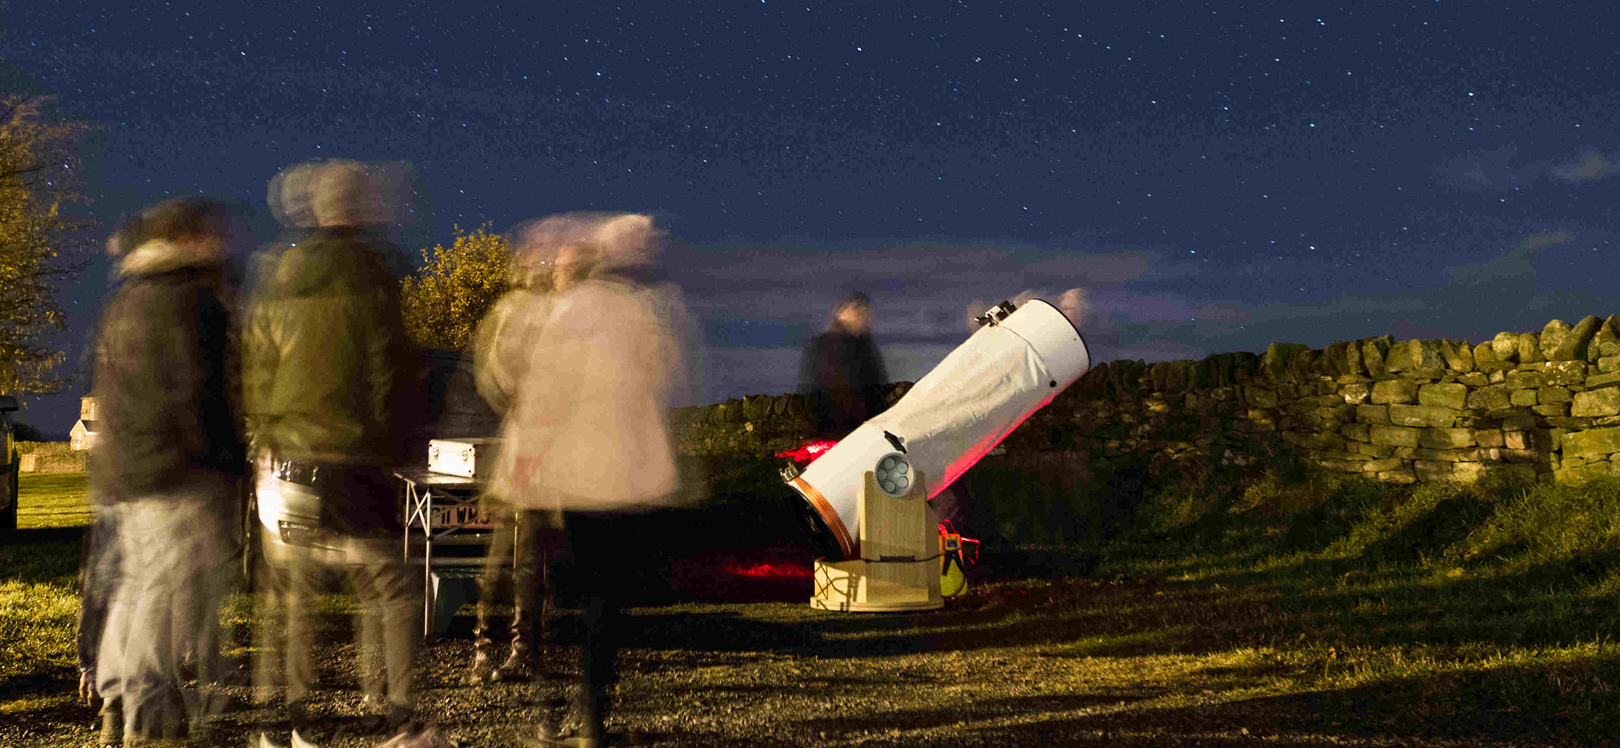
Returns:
<point x="326" y="378"/>
<point x="169" y="464"/>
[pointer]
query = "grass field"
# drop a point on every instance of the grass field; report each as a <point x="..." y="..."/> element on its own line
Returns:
<point x="1289" y="608"/>
<point x="1487" y="608"/>
<point x="39" y="595"/>
<point x="53" y="500"/>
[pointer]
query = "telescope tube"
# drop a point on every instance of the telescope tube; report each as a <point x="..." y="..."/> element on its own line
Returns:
<point x="950" y="418"/>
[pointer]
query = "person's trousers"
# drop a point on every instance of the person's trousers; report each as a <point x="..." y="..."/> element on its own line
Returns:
<point x="521" y="545"/>
<point x="390" y="622"/>
<point x="389" y="619"/>
<point x="174" y="572"/>
<point x="515" y="546"/>
<point x="605" y="562"/>
<point x="98" y="581"/>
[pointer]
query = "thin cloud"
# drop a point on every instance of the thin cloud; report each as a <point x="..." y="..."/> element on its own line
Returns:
<point x="919" y="288"/>
<point x="1489" y="171"/>
<point x="1342" y="307"/>
<point x="1093" y="269"/>
<point x="1588" y="166"/>
<point x="1497" y="170"/>
<point x="1515" y="264"/>
<point x="913" y="259"/>
<point x="1151" y="350"/>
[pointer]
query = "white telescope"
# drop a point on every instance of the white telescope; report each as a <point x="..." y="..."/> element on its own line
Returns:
<point x="1017" y="362"/>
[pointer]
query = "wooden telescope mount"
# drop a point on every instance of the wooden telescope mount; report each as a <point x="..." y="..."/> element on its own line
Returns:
<point x="897" y="539"/>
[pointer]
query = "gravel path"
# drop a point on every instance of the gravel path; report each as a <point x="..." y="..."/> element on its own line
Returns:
<point x="977" y="674"/>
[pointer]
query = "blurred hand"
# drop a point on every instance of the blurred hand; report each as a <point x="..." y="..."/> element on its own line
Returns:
<point x="87" y="687"/>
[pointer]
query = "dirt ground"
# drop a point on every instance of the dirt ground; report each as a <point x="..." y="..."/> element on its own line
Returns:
<point x="1013" y="663"/>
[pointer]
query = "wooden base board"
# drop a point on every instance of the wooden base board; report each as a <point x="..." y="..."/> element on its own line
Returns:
<point x="819" y="604"/>
<point x="846" y="586"/>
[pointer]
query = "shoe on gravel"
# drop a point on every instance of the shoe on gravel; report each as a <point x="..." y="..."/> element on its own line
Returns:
<point x="577" y="741"/>
<point x="202" y="733"/>
<point x="297" y="740"/>
<point x="518" y="668"/>
<point x="416" y="735"/>
<point x="573" y="735"/>
<point x="482" y="669"/>
<point x="112" y="726"/>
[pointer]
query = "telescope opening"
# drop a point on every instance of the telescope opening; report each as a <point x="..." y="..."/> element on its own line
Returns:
<point x="816" y="532"/>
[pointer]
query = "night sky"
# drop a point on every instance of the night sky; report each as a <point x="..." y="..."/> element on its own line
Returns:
<point x="1214" y="177"/>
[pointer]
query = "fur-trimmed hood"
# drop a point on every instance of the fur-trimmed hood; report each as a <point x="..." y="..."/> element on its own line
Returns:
<point x="161" y="256"/>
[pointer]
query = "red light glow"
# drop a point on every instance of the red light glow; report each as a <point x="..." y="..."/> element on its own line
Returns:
<point x="770" y="571"/>
<point x="808" y="453"/>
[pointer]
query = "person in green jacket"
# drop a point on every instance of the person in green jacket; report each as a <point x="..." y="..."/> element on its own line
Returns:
<point x="327" y="373"/>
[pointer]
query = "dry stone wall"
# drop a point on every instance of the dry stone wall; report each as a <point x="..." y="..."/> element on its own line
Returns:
<point x="49" y="457"/>
<point x="1535" y="405"/>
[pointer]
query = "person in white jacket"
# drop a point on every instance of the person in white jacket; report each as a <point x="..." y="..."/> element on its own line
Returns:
<point x="589" y="429"/>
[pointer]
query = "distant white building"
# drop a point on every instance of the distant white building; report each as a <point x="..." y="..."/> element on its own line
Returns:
<point x="83" y="435"/>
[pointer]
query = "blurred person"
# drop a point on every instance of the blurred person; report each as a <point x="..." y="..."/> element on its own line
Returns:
<point x="98" y="582"/>
<point x="524" y="540"/>
<point x="507" y="330"/>
<point x="167" y="468"/>
<point x="842" y="370"/>
<point x="326" y="369"/>
<point x="99" y="573"/>
<point x="589" y="432"/>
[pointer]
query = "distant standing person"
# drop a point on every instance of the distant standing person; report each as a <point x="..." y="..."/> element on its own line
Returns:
<point x="170" y="459"/>
<point x="524" y="540"/>
<point x="843" y="370"/>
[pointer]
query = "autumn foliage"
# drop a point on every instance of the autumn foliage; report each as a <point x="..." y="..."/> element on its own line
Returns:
<point x="444" y="301"/>
<point x="37" y="244"/>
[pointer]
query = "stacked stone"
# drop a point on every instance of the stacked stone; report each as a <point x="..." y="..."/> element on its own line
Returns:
<point x="1127" y="410"/>
<point x="1539" y="405"/>
<point x="53" y="462"/>
<point x="754" y="424"/>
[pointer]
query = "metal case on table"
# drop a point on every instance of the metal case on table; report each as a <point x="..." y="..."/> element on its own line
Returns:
<point x="468" y="458"/>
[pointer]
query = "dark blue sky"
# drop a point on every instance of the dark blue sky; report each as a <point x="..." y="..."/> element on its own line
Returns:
<point x="1215" y="177"/>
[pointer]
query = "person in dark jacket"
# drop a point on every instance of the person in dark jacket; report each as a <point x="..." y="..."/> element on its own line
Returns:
<point x="843" y="370"/>
<point x="326" y="368"/>
<point x="169" y="460"/>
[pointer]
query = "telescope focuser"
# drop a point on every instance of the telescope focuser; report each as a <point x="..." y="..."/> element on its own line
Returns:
<point x="994" y="315"/>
